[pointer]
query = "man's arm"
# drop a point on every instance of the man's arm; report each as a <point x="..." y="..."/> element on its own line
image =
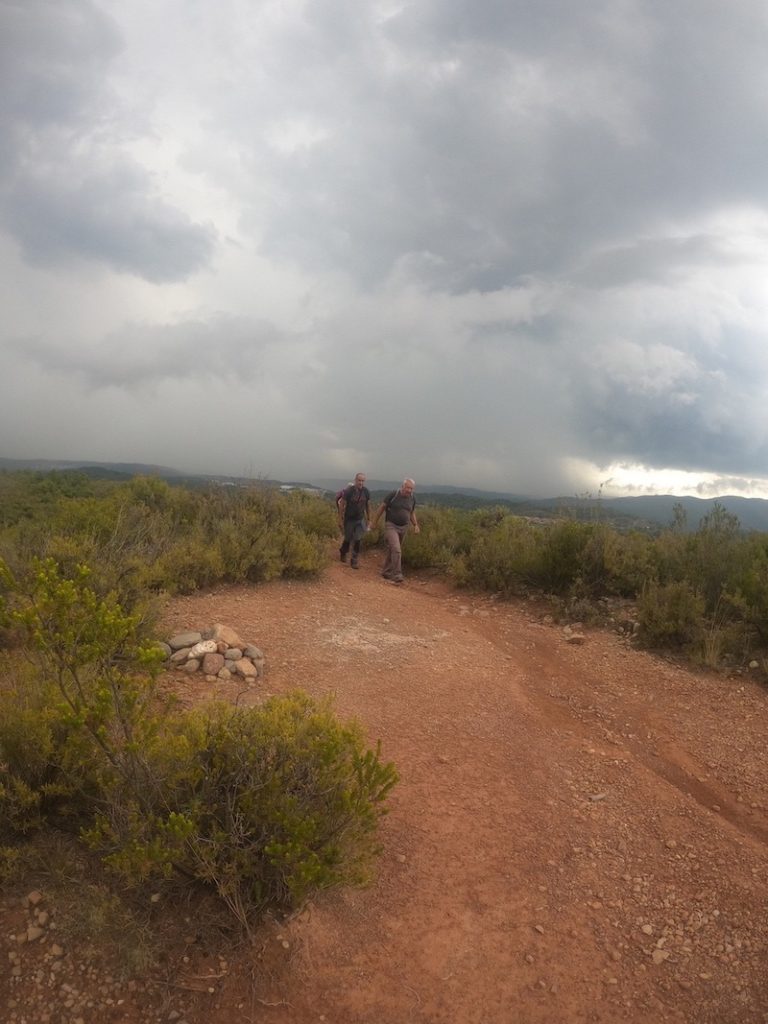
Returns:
<point x="342" y="507"/>
<point x="379" y="512"/>
<point x="415" y="522"/>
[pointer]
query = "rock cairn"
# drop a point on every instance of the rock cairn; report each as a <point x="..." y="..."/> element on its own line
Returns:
<point x="216" y="652"/>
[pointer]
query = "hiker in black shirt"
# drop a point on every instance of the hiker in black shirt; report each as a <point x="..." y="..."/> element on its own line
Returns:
<point x="354" y="515"/>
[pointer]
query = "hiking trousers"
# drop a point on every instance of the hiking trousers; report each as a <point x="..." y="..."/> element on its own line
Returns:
<point x="393" y="563"/>
<point x="354" y="531"/>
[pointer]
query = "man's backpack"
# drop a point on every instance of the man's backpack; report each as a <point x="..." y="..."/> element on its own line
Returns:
<point x="340" y="494"/>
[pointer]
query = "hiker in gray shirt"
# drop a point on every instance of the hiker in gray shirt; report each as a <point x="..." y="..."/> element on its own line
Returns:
<point x="399" y="511"/>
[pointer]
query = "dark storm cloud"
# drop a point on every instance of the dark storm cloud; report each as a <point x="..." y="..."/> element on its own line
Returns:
<point x="693" y="403"/>
<point x="67" y="192"/>
<point x="107" y="216"/>
<point x="54" y="56"/>
<point x="141" y="355"/>
<point x="519" y="235"/>
<point x="506" y="139"/>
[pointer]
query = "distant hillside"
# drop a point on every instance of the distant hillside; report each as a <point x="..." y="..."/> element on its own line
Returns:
<point x="655" y="509"/>
<point x="336" y="483"/>
<point x="752" y="513"/>
<point x="641" y="511"/>
<point x="127" y="469"/>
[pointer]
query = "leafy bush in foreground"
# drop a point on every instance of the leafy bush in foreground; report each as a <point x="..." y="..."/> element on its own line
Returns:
<point x="264" y="804"/>
<point x="288" y="803"/>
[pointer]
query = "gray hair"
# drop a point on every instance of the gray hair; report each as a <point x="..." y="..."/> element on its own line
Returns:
<point x="409" y="480"/>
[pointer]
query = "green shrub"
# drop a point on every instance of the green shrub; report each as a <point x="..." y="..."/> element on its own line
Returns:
<point x="288" y="803"/>
<point x="630" y="560"/>
<point x="146" y="537"/>
<point x="563" y="560"/>
<point x="31" y="780"/>
<point x="750" y="584"/>
<point x="713" y="556"/>
<point x="265" y="805"/>
<point x="445" y="534"/>
<point x="268" y="805"/>
<point x="670" y="615"/>
<point x="189" y="564"/>
<point x="87" y="709"/>
<point x="312" y="514"/>
<point x="502" y="557"/>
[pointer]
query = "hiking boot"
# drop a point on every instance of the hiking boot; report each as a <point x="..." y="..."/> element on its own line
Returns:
<point x="354" y="564"/>
<point x="342" y="556"/>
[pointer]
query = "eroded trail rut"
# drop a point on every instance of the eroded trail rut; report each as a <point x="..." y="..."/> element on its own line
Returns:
<point x="579" y="833"/>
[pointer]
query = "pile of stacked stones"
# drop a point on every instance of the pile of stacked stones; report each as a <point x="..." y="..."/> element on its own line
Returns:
<point x="217" y="653"/>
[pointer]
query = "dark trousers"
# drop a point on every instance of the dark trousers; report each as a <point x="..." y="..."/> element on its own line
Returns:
<point x="353" y="534"/>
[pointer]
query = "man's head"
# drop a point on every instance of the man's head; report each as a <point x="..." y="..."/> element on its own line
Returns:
<point x="407" y="486"/>
<point x="359" y="480"/>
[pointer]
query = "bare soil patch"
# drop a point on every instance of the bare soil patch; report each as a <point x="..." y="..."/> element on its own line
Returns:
<point x="580" y="832"/>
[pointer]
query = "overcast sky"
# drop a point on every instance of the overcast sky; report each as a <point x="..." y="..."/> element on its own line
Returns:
<point x="514" y="245"/>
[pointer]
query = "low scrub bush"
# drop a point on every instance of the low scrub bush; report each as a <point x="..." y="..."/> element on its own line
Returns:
<point x="630" y="561"/>
<point x="714" y="552"/>
<point x="510" y="553"/>
<point x="503" y="557"/>
<point x="445" y="534"/>
<point x="146" y="537"/>
<point x="562" y="560"/>
<point x="288" y="802"/>
<point x="670" y="615"/>
<point x="751" y="586"/>
<point x="264" y="805"/>
<point x="78" y="721"/>
<point x="722" y="641"/>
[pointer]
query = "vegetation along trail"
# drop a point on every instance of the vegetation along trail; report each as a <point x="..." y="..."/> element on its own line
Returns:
<point x="579" y="833"/>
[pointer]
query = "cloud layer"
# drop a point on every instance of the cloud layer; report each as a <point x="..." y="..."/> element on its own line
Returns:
<point x="474" y="241"/>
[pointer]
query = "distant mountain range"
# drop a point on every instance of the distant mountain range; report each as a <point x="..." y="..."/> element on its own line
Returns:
<point x="651" y="509"/>
<point x="334" y="483"/>
<point x="640" y="511"/>
<point x="752" y="513"/>
<point x="658" y="509"/>
<point x="122" y="468"/>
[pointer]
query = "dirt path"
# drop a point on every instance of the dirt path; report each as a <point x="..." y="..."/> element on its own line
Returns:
<point x="580" y="833"/>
